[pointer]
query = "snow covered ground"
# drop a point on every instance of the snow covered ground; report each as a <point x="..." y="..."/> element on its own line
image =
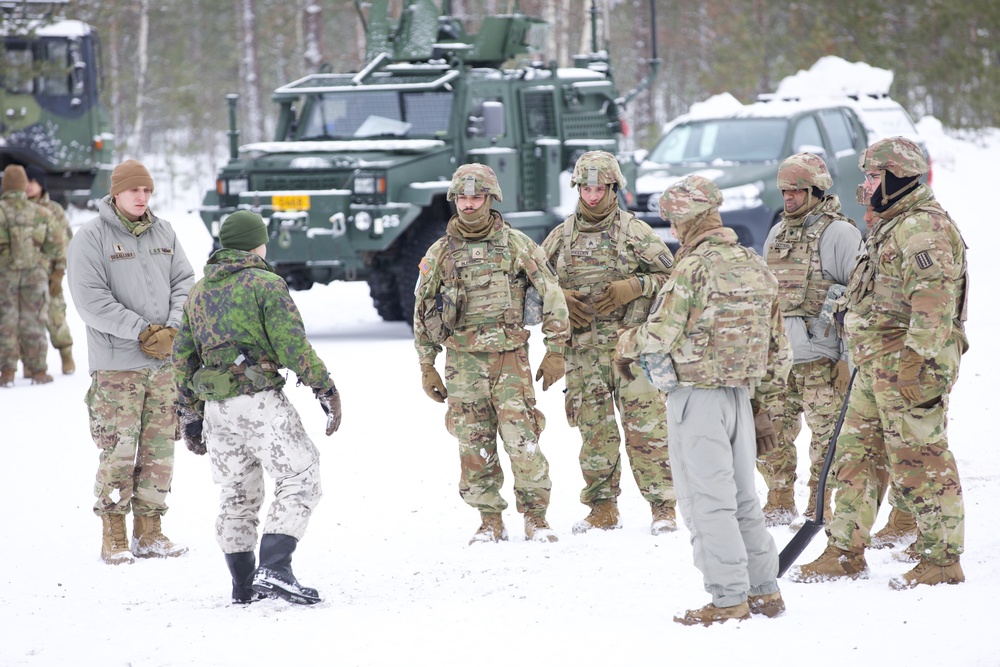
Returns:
<point x="387" y="547"/>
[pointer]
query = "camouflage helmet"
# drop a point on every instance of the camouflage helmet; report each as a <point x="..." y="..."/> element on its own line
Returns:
<point x="598" y="168"/>
<point x="804" y="171"/>
<point x="897" y="155"/>
<point x="689" y="198"/>
<point x="474" y="179"/>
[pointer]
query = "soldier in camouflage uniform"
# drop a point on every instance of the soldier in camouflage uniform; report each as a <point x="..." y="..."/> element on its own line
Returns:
<point x="59" y="333"/>
<point x="906" y="308"/>
<point x="717" y="323"/>
<point x="610" y="265"/>
<point x="470" y="298"/>
<point x="30" y="242"/>
<point x="811" y="252"/>
<point x="240" y="327"/>
<point x="129" y="278"/>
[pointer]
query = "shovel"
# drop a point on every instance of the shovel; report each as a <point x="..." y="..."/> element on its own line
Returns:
<point x="808" y="531"/>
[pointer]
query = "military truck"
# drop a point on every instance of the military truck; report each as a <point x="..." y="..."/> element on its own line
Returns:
<point x="353" y="185"/>
<point x="50" y="109"/>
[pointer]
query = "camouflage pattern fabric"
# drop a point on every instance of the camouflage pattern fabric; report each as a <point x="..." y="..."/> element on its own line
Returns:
<point x="689" y="198"/>
<point x="804" y="171"/>
<point x="909" y="290"/>
<point x="246" y="436"/>
<point x="593" y="391"/>
<point x="598" y="168"/>
<point x="133" y="421"/>
<point x="222" y="316"/>
<point x="59" y="332"/>
<point x="471" y="180"/>
<point x="809" y="391"/>
<point x="898" y="155"/>
<point x="490" y="392"/>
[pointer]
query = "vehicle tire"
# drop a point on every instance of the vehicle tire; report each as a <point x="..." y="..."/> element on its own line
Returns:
<point x="428" y="228"/>
<point x="385" y="295"/>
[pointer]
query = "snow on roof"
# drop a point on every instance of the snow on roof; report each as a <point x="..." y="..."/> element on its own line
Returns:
<point x="69" y="28"/>
<point x="831" y="76"/>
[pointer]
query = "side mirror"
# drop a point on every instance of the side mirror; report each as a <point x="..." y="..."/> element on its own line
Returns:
<point x="494" y="124"/>
<point x="640" y="155"/>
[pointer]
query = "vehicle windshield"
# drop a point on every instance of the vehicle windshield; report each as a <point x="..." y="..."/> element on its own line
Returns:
<point x="375" y="114"/>
<point x="722" y="140"/>
<point x="890" y="123"/>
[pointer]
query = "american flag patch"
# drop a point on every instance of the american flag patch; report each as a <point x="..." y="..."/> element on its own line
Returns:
<point x="424" y="266"/>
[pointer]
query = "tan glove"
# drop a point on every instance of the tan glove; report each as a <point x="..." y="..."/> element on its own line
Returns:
<point x="159" y="343"/>
<point x="622" y="366"/>
<point x="55" y="282"/>
<point x="580" y="314"/>
<point x="617" y="294"/>
<point x="433" y="386"/>
<point x="909" y="369"/>
<point x="552" y="368"/>
<point x="841" y="377"/>
<point x="767" y="439"/>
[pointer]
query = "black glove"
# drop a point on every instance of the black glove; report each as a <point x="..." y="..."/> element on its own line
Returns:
<point x="191" y="427"/>
<point x="330" y="402"/>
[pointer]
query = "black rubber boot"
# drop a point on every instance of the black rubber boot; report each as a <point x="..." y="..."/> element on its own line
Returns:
<point x="242" y="566"/>
<point x="274" y="577"/>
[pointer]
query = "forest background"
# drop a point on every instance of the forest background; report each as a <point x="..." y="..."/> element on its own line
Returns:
<point x="168" y="64"/>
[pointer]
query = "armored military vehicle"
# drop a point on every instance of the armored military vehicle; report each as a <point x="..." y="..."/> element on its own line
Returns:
<point x="50" y="110"/>
<point x="353" y="185"/>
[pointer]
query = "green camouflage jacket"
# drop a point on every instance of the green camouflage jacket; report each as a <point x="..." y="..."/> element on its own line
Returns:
<point x="909" y="287"/>
<point x="242" y="306"/>
<point x="30" y="236"/>
<point x="527" y="262"/>
<point x="718" y="318"/>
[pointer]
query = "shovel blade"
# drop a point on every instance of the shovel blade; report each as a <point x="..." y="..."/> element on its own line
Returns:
<point x="798" y="544"/>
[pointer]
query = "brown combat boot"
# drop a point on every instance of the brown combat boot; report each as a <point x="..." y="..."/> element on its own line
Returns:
<point x="40" y="377"/>
<point x="114" y="543"/>
<point x="7" y="377"/>
<point x="902" y="527"/>
<point x="929" y="574"/>
<point x="537" y="529"/>
<point x="149" y="542"/>
<point x="664" y="519"/>
<point x="834" y="563"/>
<point x="66" y="354"/>
<point x="491" y="529"/>
<point x="603" y="516"/>
<point x="767" y="605"/>
<point x="710" y="614"/>
<point x="780" y="508"/>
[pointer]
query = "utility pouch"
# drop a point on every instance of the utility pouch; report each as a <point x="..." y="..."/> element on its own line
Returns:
<point x="532" y="307"/>
<point x="450" y="305"/>
<point x="834" y="303"/>
<point x="212" y="384"/>
<point x="659" y="369"/>
<point x="258" y="378"/>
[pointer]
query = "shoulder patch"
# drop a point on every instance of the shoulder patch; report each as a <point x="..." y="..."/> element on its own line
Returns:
<point x="923" y="260"/>
<point x="665" y="260"/>
<point x="424" y="266"/>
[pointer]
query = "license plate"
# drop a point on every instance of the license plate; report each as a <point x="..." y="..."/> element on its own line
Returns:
<point x="290" y="202"/>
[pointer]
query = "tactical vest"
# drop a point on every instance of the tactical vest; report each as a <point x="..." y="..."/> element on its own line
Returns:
<point x="728" y="344"/>
<point x="479" y="276"/>
<point x="794" y="260"/>
<point x="592" y="260"/>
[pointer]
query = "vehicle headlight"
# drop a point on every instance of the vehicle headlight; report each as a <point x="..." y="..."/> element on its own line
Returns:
<point x="369" y="187"/>
<point x="237" y="185"/>
<point x="364" y="185"/>
<point x="363" y="221"/>
<point x="743" y="196"/>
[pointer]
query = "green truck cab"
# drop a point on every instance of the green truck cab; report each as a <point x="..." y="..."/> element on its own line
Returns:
<point x="353" y="186"/>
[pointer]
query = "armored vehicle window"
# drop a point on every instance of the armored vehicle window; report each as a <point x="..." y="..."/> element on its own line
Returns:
<point x="806" y="133"/>
<point x="838" y="130"/>
<point x="539" y="114"/>
<point x="17" y="70"/>
<point x="726" y="140"/>
<point x="427" y="113"/>
<point x="55" y="82"/>
<point x="375" y="113"/>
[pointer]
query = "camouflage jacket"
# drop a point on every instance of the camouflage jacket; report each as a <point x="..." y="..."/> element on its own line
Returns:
<point x="242" y="306"/>
<point x="910" y="285"/>
<point x="588" y="260"/>
<point x="62" y="221"/>
<point x="808" y="254"/>
<point x="30" y="237"/>
<point x="718" y="318"/>
<point x="526" y="265"/>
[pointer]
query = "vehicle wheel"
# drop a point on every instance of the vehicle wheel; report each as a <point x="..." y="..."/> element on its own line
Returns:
<point x="428" y="229"/>
<point x="385" y="295"/>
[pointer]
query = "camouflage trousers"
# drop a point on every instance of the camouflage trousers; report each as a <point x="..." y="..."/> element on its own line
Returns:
<point x="491" y="392"/>
<point x="23" y="312"/>
<point x="246" y="436"/>
<point x="884" y="437"/>
<point x="712" y="446"/>
<point x="133" y="420"/>
<point x="592" y="392"/>
<point x="59" y="333"/>
<point x="809" y="392"/>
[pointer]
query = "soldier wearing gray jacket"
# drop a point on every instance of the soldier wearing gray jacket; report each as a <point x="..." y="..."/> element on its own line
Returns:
<point x="811" y="252"/>
<point x="129" y="279"/>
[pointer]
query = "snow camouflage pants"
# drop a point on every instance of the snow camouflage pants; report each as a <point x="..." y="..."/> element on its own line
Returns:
<point x="592" y="392"/>
<point x="246" y="436"/>
<point x="881" y="433"/>
<point x="133" y="420"/>
<point x="809" y="391"/>
<point x="490" y="392"/>
<point x="23" y="312"/>
<point x="58" y="328"/>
